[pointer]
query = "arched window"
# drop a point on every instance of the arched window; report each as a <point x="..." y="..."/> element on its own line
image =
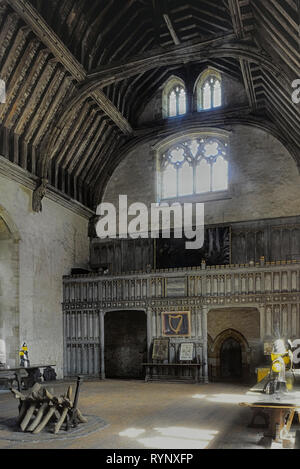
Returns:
<point x="174" y="98"/>
<point x="209" y="90"/>
<point x="195" y="166"/>
<point x="177" y="101"/>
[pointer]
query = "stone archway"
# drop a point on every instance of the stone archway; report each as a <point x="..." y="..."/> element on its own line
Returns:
<point x="229" y="357"/>
<point x="9" y="290"/>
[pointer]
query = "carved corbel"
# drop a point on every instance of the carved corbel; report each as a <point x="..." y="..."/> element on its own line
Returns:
<point x="92" y="233"/>
<point x="38" y="195"/>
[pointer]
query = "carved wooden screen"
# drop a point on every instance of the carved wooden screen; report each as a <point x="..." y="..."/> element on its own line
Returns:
<point x="82" y="343"/>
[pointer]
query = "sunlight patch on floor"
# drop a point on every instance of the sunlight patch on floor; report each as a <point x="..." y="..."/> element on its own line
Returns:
<point x="172" y="437"/>
<point x="184" y="432"/>
<point x="160" y="442"/>
<point x="231" y="398"/>
<point x="226" y="398"/>
<point x="132" y="432"/>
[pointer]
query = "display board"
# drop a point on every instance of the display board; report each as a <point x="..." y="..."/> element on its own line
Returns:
<point x="186" y="352"/>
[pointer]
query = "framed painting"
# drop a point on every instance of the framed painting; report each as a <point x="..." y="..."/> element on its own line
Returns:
<point x="176" y="324"/>
<point x="160" y="349"/>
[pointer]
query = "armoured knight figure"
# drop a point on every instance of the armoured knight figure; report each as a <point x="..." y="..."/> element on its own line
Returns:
<point x="281" y="358"/>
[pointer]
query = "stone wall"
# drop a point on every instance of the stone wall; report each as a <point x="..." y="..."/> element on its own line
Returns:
<point x="246" y="321"/>
<point x="9" y="281"/>
<point x="51" y="243"/>
<point x="264" y="179"/>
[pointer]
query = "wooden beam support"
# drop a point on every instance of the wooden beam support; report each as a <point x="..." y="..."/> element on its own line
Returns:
<point x="222" y="46"/>
<point x="171" y="29"/>
<point x="237" y="22"/>
<point x="42" y="30"/>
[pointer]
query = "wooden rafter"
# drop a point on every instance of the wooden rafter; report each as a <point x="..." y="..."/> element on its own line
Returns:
<point x="237" y="22"/>
<point x="171" y="29"/>
<point x="31" y="17"/>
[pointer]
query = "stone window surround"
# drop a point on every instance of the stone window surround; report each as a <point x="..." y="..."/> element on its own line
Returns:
<point x="163" y="146"/>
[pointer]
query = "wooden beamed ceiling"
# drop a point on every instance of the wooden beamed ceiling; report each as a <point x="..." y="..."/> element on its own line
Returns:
<point x="79" y="73"/>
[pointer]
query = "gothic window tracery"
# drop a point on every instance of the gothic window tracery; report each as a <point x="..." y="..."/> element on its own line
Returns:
<point x="177" y="101"/>
<point x="209" y="90"/>
<point x="196" y="166"/>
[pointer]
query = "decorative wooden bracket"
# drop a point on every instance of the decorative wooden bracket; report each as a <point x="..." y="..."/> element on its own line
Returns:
<point x="38" y="195"/>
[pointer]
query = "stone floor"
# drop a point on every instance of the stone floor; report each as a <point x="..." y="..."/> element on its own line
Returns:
<point x="139" y="415"/>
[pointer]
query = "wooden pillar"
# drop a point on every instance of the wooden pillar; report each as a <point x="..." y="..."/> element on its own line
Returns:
<point x="149" y="333"/>
<point x="204" y="338"/>
<point x="262" y="310"/>
<point x="102" y="357"/>
<point x="189" y="90"/>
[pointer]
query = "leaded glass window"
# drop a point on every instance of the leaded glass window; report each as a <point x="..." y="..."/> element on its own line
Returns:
<point x="197" y="166"/>
<point x="177" y="101"/>
<point x="211" y="93"/>
<point x="209" y="90"/>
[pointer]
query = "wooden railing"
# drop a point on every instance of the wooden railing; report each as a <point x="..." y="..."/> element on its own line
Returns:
<point x="245" y="279"/>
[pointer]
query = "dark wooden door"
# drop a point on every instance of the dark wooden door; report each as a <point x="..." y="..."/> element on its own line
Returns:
<point x="231" y="359"/>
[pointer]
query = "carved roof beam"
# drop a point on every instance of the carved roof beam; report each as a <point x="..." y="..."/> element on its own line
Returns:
<point x="238" y="26"/>
<point x="170" y="25"/>
<point x="103" y="149"/>
<point x="29" y="14"/>
<point x="283" y="43"/>
<point x="93" y="144"/>
<point x="220" y="47"/>
<point x="80" y="136"/>
<point x="106" y="131"/>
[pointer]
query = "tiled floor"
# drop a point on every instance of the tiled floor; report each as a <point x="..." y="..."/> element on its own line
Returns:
<point x="143" y="415"/>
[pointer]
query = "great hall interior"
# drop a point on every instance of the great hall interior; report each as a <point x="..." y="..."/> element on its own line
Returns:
<point x="164" y="102"/>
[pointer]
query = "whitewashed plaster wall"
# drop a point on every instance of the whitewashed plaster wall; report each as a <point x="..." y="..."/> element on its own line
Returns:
<point x="265" y="181"/>
<point x="51" y="243"/>
<point x="9" y="313"/>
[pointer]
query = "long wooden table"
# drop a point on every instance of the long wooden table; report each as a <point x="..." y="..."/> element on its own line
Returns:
<point x="280" y="415"/>
<point x="278" y="409"/>
<point x="29" y="380"/>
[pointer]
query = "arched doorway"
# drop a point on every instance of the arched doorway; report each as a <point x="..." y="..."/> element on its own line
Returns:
<point x="9" y="290"/>
<point x="231" y="359"/>
<point x="125" y="339"/>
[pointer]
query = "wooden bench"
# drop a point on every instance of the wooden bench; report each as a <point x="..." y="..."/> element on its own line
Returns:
<point x="175" y="372"/>
<point x="25" y="377"/>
